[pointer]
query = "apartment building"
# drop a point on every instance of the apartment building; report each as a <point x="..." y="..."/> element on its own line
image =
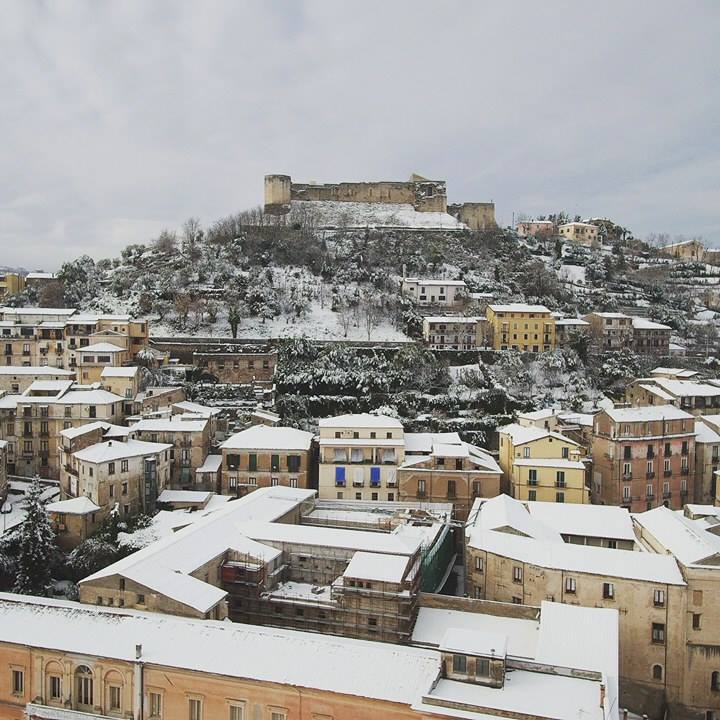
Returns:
<point x="515" y="556"/>
<point x="690" y="536"/>
<point x="697" y="398"/>
<point x="579" y="232"/>
<point x="540" y="464"/>
<point x="454" y="332"/>
<point x="122" y="381"/>
<point x="359" y="457"/>
<point x="92" y="360"/>
<point x="650" y="337"/>
<point x="643" y="457"/>
<point x="447" y="293"/>
<point x="243" y="365"/>
<point x="190" y="440"/>
<point x="11" y="284"/>
<point x="3" y="471"/>
<point x="517" y="326"/>
<point x="127" y="474"/>
<point x="610" y="330"/>
<point x="16" y="379"/>
<point x="439" y="467"/>
<point x="290" y="675"/>
<point x="263" y="456"/>
<point x="707" y="459"/>
<point x="84" y="329"/>
<point x="45" y="409"/>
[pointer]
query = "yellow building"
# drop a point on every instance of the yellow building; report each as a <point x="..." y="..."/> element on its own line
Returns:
<point x="538" y="464"/>
<point x="579" y="232"/>
<point x="517" y="326"/>
<point x="11" y="284"/>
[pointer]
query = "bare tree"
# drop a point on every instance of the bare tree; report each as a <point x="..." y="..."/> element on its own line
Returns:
<point x="166" y="242"/>
<point x="371" y="313"/>
<point x="345" y="315"/>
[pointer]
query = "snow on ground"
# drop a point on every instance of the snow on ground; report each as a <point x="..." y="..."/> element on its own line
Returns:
<point x="332" y="214"/>
<point x="572" y="273"/>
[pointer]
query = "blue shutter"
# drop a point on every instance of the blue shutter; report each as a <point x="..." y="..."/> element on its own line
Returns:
<point x="339" y="474"/>
<point x="374" y="475"/>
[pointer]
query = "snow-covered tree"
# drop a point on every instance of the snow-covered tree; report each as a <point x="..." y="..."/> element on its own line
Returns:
<point x="36" y="547"/>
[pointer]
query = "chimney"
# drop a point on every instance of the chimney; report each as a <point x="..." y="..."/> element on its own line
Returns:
<point x="602" y="695"/>
<point x="138" y="652"/>
<point x="109" y="443"/>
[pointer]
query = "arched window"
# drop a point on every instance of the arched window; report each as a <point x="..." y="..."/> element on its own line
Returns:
<point x="83" y="687"/>
<point x="657" y="672"/>
<point x="715" y="681"/>
<point x="53" y="682"/>
<point x="113" y="692"/>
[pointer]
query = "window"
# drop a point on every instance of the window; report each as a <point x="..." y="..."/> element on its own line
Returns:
<point x="18" y="682"/>
<point x="84" y="686"/>
<point x="236" y="711"/>
<point x="657" y="672"/>
<point x="659" y="598"/>
<point x="566" y="453"/>
<point x="141" y="599"/>
<point x="608" y="591"/>
<point x="55" y="687"/>
<point x="340" y="476"/>
<point x="111" y="468"/>
<point x="194" y="709"/>
<point x="658" y="633"/>
<point x="252" y="462"/>
<point x="560" y="497"/>
<point x="478" y="564"/>
<point x="275" y="463"/>
<point x="517" y="574"/>
<point x="526" y="452"/>
<point x="421" y="488"/>
<point x="570" y="585"/>
<point x="696" y="618"/>
<point x="626" y="493"/>
<point x="277" y="714"/>
<point x="715" y="681"/>
<point x="293" y="463"/>
<point x="459" y="663"/>
<point x="451" y="492"/>
<point x="124" y="466"/>
<point x="482" y="667"/>
<point x="114" y="695"/>
<point x="532" y="495"/>
<point x="274" y="482"/>
<point x="532" y="476"/>
<point x="125" y="488"/>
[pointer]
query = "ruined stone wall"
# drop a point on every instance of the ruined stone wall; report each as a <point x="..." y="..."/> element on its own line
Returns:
<point x="476" y="215"/>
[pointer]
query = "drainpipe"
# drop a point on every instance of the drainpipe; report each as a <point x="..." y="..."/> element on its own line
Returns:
<point x="138" y="690"/>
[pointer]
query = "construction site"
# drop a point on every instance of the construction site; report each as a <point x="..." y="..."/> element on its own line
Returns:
<point x="280" y="557"/>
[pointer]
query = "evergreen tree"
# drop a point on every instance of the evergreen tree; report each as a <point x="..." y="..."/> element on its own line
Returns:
<point x="37" y="543"/>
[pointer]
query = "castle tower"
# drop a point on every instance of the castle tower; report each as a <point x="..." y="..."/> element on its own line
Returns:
<point x="277" y="194"/>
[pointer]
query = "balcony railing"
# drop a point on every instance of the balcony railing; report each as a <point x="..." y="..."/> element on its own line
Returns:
<point x="685" y="471"/>
<point x="650" y="475"/>
<point x="667" y="473"/>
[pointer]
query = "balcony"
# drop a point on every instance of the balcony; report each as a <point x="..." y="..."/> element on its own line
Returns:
<point x="684" y="451"/>
<point x="650" y="475"/>
<point x="70" y="469"/>
<point x="340" y="483"/>
<point x="668" y="453"/>
<point x="421" y="493"/>
<point x="684" y="471"/>
<point x="560" y="484"/>
<point x="627" y="476"/>
<point x="667" y="473"/>
<point x="650" y="496"/>
<point x="667" y="495"/>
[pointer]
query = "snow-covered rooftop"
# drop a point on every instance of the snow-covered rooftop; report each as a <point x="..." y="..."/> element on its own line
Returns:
<point x="680" y="373"/>
<point x="196" y="408"/>
<point x="474" y="642"/>
<point x="362" y="420"/>
<point x="602" y="521"/>
<point x="120" y="372"/>
<point x="184" y="496"/>
<point x="75" y="506"/>
<point x="101" y="347"/>
<point x="465" y="319"/>
<point x="263" y="437"/>
<point x="648" y="413"/>
<point x="560" y="463"/>
<point x="520" y="434"/>
<point x="34" y="370"/>
<point x="435" y="282"/>
<point x="380" y="568"/>
<point x="519" y="307"/>
<point x="212" y="463"/>
<point x="171" y="424"/>
<point x="111" y="450"/>
<point x="705" y="434"/>
<point x="645" y="324"/>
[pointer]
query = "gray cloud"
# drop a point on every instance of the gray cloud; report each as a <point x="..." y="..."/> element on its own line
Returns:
<point x="118" y="119"/>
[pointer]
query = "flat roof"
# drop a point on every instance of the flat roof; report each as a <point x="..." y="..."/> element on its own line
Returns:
<point x="360" y="420"/>
<point x="264" y="437"/>
<point x="648" y="413"/>
<point x="381" y="568"/>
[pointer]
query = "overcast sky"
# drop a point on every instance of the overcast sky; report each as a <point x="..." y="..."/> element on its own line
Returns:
<point x="120" y="118"/>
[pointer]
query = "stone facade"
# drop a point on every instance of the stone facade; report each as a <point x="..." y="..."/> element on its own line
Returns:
<point x="242" y="367"/>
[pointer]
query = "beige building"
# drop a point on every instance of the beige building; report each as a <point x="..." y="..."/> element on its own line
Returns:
<point x="92" y="360"/>
<point x="127" y="474"/>
<point x="643" y="457"/>
<point x="491" y="672"/>
<point x="614" y="331"/>
<point x="513" y="555"/>
<point x="454" y="332"/>
<point x="696" y="398"/>
<point x="45" y="409"/>
<point x="439" y="468"/>
<point x="540" y="464"/>
<point x="243" y="366"/>
<point x="11" y="284"/>
<point x="16" y="379"/>
<point x="74" y="520"/>
<point x="579" y="232"/>
<point x="122" y="381"/>
<point x="427" y="291"/>
<point x="190" y="440"/>
<point x="263" y="456"/>
<point x="567" y="330"/>
<point x="690" y="536"/>
<point x="518" y="326"/>
<point x="359" y="457"/>
<point x="689" y="250"/>
<point x="535" y="228"/>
